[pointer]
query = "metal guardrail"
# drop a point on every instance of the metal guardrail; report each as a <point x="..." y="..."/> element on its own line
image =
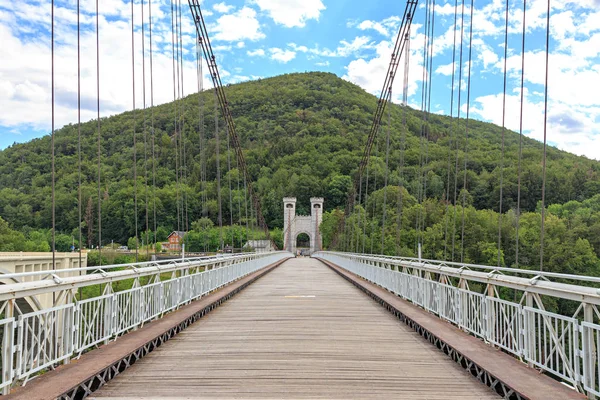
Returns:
<point x="473" y="297"/>
<point x="35" y="341"/>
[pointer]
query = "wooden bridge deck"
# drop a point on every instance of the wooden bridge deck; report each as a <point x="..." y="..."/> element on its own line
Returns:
<point x="300" y="332"/>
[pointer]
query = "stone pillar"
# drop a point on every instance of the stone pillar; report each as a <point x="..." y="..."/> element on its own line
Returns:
<point x="316" y="217"/>
<point x="289" y="215"/>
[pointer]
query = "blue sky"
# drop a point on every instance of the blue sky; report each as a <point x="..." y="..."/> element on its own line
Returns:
<point x="262" y="38"/>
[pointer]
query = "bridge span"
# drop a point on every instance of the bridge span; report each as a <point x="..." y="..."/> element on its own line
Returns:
<point x="301" y="331"/>
<point x="304" y="330"/>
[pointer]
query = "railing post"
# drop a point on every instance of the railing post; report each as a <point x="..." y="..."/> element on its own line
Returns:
<point x="588" y="350"/>
<point x="8" y="347"/>
<point x="528" y="329"/>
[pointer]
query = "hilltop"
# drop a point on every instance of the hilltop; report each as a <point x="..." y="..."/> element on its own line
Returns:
<point x="302" y="134"/>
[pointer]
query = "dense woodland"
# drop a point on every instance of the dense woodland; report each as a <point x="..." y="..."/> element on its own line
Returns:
<point x="303" y="135"/>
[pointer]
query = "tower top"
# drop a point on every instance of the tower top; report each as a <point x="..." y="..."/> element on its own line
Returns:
<point x="316" y="200"/>
<point x="289" y="199"/>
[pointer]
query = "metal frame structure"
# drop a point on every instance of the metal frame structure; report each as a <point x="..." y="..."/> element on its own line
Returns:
<point x="473" y="297"/>
<point x="35" y="341"/>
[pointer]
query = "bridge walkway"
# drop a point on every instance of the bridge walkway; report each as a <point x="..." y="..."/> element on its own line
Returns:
<point x="300" y="332"/>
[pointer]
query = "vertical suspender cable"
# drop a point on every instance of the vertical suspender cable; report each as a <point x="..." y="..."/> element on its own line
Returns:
<point x="99" y="138"/>
<point x="359" y="217"/>
<point x="428" y="113"/>
<point x="458" y="112"/>
<point x="402" y="145"/>
<point x="387" y="158"/>
<point x="520" y="136"/>
<point x="502" y="144"/>
<point x="542" y="233"/>
<point x="175" y="119"/>
<point x="218" y="160"/>
<point x="229" y="178"/>
<point x="145" y="133"/>
<point x="53" y="154"/>
<point x="418" y="237"/>
<point x="135" y="194"/>
<point x="185" y="205"/>
<point x="152" y="122"/>
<point x="462" y="237"/>
<point x="364" y="238"/>
<point x="453" y="136"/>
<point x="79" y="128"/>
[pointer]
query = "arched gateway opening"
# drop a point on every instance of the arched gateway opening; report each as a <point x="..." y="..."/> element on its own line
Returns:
<point x="301" y="232"/>
<point x="303" y="244"/>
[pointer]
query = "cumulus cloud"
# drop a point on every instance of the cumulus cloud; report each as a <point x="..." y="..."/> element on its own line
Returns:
<point x="241" y="25"/>
<point x="283" y="56"/>
<point x="291" y="13"/>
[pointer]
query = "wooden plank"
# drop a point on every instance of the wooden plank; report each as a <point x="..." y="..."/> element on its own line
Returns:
<point x="528" y="382"/>
<point x="300" y="332"/>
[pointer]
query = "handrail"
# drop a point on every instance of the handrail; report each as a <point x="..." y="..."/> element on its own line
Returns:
<point x="113" y="266"/>
<point x="562" y="344"/>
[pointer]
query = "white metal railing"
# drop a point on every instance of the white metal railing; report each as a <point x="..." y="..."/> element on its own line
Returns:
<point x="564" y="346"/>
<point x="41" y="339"/>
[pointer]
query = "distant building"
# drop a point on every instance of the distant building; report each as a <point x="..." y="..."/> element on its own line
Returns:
<point x="175" y="239"/>
<point x="259" y="246"/>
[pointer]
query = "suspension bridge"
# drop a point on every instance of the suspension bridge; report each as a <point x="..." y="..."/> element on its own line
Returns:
<point x="344" y="323"/>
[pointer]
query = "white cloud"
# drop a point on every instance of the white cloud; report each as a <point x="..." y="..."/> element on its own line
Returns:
<point x="377" y="26"/>
<point x="223" y="8"/>
<point x="291" y="13"/>
<point x="359" y="43"/>
<point x="241" y="25"/>
<point x="256" y="53"/>
<point x="322" y="64"/>
<point x="283" y="56"/>
<point x="25" y="66"/>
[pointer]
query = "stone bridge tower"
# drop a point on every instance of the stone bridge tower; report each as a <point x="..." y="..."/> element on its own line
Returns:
<point x="293" y="224"/>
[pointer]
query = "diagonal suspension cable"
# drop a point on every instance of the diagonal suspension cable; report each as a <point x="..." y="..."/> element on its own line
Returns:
<point x="399" y="44"/>
<point x="225" y="109"/>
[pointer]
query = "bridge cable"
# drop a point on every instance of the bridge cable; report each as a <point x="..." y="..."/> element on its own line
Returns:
<point x="457" y="126"/>
<point x="135" y="188"/>
<point x="543" y="231"/>
<point x="405" y="23"/>
<point x="218" y="161"/>
<point x="385" y="179"/>
<point x="175" y="120"/>
<point x="422" y="161"/>
<point x="373" y="219"/>
<point x="359" y="216"/>
<point x="520" y="135"/>
<point x="246" y="207"/>
<point x="145" y="132"/>
<point x="452" y="138"/>
<point x="152" y="123"/>
<point x="201" y="132"/>
<point x="99" y="138"/>
<point x="502" y="139"/>
<point x="53" y="151"/>
<point x="229" y="182"/>
<point x="366" y="202"/>
<point x="400" y="205"/>
<point x="185" y="183"/>
<point x="226" y="110"/>
<point x="79" y="212"/>
<point x="239" y="200"/>
<point x="427" y="111"/>
<point x="462" y="247"/>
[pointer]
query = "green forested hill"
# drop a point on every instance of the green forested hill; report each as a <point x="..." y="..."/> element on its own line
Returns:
<point x="303" y="135"/>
